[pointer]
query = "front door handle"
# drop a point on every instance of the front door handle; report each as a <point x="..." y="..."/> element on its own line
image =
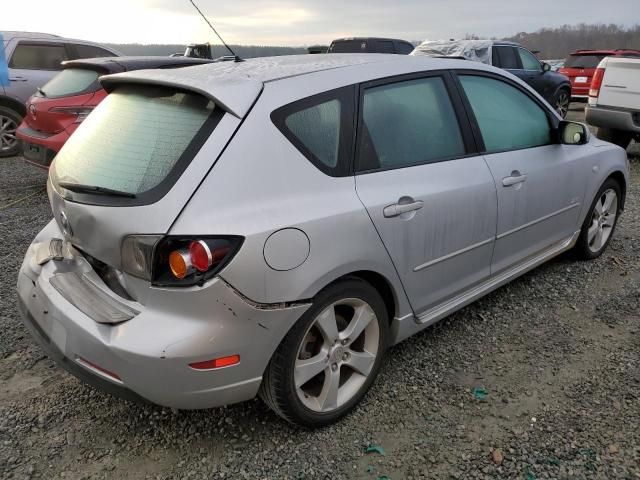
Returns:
<point x="399" y="208"/>
<point x="515" y="178"/>
<point x="18" y="79"/>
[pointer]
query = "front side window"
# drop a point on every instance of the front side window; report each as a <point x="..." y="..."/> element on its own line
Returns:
<point x="134" y="139"/>
<point x="38" y="57"/>
<point x="508" y="58"/>
<point x="529" y="60"/>
<point x="408" y="123"/>
<point x="508" y="118"/>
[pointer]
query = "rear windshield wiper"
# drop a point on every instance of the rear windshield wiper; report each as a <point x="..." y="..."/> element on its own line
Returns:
<point x="94" y="189"/>
<point x="41" y="92"/>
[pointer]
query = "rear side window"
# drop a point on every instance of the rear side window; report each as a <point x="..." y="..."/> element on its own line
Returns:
<point x="583" y="61"/>
<point x="320" y="127"/>
<point x="508" y="58"/>
<point x="408" y="123"/>
<point x="385" y="46"/>
<point x="508" y="118"/>
<point x="38" y="57"/>
<point x="136" y="139"/>
<point x="72" y="81"/>
<point x="89" y="51"/>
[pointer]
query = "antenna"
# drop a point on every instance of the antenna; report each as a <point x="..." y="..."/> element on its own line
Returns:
<point x="236" y="58"/>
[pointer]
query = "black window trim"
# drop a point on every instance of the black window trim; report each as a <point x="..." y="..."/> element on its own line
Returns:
<point x="156" y="193"/>
<point x="553" y="121"/>
<point x="470" y="145"/>
<point x="346" y="97"/>
<point x="37" y="43"/>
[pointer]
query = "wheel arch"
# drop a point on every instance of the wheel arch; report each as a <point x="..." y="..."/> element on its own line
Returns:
<point x="13" y="104"/>
<point x="619" y="177"/>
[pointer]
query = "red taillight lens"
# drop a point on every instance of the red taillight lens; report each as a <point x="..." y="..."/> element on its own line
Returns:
<point x="596" y="82"/>
<point x="80" y="112"/>
<point x="183" y="262"/>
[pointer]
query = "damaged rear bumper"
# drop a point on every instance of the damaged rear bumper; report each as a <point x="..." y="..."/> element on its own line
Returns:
<point x="148" y="356"/>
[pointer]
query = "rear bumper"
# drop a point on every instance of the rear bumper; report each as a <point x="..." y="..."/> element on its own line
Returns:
<point x="40" y="148"/>
<point x="150" y="354"/>
<point x="614" y="118"/>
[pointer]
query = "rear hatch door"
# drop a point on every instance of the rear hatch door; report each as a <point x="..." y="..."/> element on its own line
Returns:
<point x="147" y="147"/>
<point x="621" y="83"/>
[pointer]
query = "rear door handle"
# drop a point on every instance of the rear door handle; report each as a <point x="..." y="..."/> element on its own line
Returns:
<point x="515" y="178"/>
<point x="399" y="208"/>
<point x="18" y="79"/>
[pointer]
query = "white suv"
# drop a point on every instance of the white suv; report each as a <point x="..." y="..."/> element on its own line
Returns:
<point x="614" y="100"/>
<point x="33" y="60"/>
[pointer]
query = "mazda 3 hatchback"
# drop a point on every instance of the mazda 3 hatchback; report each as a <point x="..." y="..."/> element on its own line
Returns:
<point x="271" y="227"/>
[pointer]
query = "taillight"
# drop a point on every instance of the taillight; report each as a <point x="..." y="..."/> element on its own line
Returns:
<point x="177" y="261"/>
<point x="596" y="82"/>
<point x="80" y="112"/>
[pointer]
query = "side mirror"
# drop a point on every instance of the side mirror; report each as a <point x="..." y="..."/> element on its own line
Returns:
<point x="573" y="133"/>
<point x="546" y="67"/>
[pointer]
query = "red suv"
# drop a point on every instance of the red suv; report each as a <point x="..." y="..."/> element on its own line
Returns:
<point x="57" y="109"/>
<point x="581" y="65"/>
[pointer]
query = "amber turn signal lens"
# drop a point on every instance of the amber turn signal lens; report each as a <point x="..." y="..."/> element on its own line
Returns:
<point x="180" y="263"/>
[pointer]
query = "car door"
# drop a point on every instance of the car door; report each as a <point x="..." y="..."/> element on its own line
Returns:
<point x="532" y="72"/>
<point x="32" y="64"/>
<point x="540" y="182"/>
<point x="431" y="198"/>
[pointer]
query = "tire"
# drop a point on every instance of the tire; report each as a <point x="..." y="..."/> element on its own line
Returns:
<point x="309" y="402"/>
<point x="617" y="137"/>
<point x="561" y="101"/>
<point x="604" y="221"/>
<point x="9" y="122"/>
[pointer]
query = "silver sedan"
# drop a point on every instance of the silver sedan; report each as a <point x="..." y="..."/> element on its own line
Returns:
<point x="271" y="227"/>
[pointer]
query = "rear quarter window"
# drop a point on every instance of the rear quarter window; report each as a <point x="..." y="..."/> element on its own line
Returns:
<point x="321" y="128"/>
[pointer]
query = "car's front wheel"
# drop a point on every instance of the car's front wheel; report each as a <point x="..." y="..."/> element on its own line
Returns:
<point x="329" y="359"/>
<point x="601" y="221"/>
<point x="561" y="102"/>
<point x="9" y="121"/>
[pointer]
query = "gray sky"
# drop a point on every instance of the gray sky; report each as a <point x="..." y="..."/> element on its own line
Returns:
<point x="304" y="22"/>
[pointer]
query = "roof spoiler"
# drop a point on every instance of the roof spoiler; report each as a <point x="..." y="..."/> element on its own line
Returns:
<point x="233" y="94"/>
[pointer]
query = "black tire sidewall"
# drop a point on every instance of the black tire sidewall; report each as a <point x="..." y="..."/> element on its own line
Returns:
<point x="16" y="117"/>
<point x="582" y="245"/>
<point x="560" y="91"/>
<point x="289" y="348"/>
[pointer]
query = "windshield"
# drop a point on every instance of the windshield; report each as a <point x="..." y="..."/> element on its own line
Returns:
<point x="72" y="81"/>
<point x="133" y="140"/>
<point x="583" y="61"/>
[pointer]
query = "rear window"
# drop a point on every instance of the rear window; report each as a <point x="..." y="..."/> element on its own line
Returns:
<point x="583" y="61"/>
<point x="348" y="46"/>
<point x="136" y="139"/>
<point x="72" y="81"/>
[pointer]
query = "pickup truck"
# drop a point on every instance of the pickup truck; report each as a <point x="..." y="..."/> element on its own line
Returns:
<point x="614" y="100"/>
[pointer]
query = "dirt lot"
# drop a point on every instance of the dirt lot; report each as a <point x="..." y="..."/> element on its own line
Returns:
<point x="554" y="359"/>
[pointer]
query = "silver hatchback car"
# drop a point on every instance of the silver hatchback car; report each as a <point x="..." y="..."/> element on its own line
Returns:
<point x="270" y="227"/>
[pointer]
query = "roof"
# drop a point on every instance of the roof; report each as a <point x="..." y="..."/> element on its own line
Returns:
<point x="237" y="84"/>
<point x="110" y="65"/>
<point x="606" y="51"/>
<point x="8" y="34"/>
<point x="348" y="39"/>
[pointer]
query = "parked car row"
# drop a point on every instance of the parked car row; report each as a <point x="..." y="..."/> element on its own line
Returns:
<point x="270" y="227"/>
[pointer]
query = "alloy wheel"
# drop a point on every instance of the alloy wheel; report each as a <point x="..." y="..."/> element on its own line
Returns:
<point x="562" y="103"/>
<point x="8" y="139"/>
<point x="337" y="355"/>
<point x="603" y="220"/>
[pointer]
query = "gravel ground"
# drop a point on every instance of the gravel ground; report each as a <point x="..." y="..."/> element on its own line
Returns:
<point x="541" y="379"/>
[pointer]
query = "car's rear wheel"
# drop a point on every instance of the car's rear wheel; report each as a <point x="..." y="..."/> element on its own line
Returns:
<point x="9" y="121"/>
<point x="561" y="102"/>
<point x="617" y="137"/>
<point x="597" y="229"/>
<point x="330" y="358"/>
